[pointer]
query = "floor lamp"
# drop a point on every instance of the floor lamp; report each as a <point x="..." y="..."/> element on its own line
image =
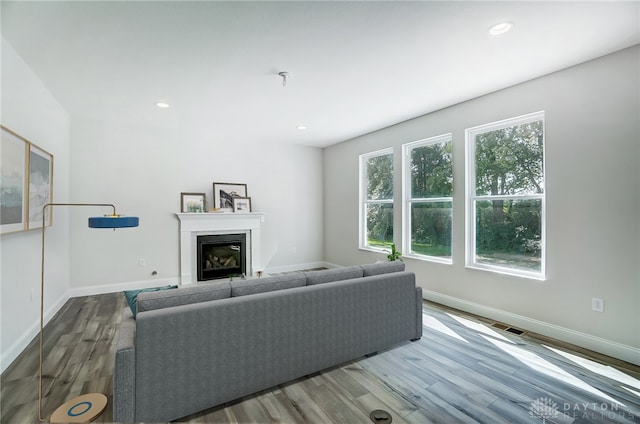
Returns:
<point x="88" y="407"/>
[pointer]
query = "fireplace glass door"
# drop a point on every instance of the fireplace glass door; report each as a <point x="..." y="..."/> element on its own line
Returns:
<point x="221" y="256"/>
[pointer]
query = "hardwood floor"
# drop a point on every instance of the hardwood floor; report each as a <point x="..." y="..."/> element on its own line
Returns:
<point x="463" y="370"/>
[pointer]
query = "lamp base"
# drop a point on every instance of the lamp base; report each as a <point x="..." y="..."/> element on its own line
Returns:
<point x="82" y="409"/>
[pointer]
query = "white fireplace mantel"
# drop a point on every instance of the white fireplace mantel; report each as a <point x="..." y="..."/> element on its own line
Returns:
<point x="193" y="225"/>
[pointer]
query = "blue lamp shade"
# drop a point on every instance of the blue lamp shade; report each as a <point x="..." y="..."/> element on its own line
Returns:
<point x="113" y="221"/>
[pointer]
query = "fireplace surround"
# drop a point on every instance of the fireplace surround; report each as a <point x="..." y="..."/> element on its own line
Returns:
<point x="194" y="225"/>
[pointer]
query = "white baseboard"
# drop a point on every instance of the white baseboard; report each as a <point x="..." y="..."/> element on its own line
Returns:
<point x="588" y="341"/>
<point x="297" y="267"/>
<point x="16" y="348"/>
<point x="113" y="288"/>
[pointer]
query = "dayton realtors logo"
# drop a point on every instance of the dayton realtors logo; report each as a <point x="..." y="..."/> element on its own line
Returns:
<point x="544" y="408"/>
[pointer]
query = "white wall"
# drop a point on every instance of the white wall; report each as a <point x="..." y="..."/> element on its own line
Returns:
<point x="143" y="170"/>
<point x="30" y="110"/>
<point x="593" y="206"/>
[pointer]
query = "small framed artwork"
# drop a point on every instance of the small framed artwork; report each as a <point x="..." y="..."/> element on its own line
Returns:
<point x="40" y="186"/>
<point x="242" y="204"/>
<point x="223" y="194"/>
<point x="13" y="182"/>
<point x="193" y="202"/>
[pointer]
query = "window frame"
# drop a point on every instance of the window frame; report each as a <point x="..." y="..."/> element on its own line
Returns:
<point x="408" y="200"/>
<point x="471" y="197"/>
<point x="364" y="201"/>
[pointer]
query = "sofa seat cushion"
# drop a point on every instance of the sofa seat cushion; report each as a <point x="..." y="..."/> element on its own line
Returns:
<point x="267" y="284"/>
<point x="334" y="274"/>
<point x="148" y="301"/>
<point x="382" y="268"/>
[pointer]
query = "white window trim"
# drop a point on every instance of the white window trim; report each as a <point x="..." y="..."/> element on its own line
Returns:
<point x="470" y="197"/>
<point x="407" y="200"/>
<point x="363" y="201"/>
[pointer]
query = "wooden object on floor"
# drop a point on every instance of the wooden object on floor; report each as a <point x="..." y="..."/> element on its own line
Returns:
<point x="82" y="409"/>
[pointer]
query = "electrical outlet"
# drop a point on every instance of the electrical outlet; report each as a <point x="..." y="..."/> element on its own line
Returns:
<point x="142" y="263"/>
<point x="597" y="304"/>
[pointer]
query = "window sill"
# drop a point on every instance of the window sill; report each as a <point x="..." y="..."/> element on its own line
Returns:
<point x="374" y="249"/>
<point x="508" y="271"/>
<point x="446" y="261"/>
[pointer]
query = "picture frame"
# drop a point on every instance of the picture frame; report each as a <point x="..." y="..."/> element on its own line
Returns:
<point x="193" y="202"/>
<point x="223" y="194"/>
<point x="242" y="204"/>
<point x="13" y="182"/>
<point x="40" y="186"/>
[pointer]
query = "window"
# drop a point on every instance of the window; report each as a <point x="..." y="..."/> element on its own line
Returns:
<point x="505" y="196"/>
<point x="428" y="188"/>
<point x="376" y="200"/>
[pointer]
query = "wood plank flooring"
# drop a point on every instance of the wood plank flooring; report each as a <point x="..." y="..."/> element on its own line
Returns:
<point x="463" y="370"/>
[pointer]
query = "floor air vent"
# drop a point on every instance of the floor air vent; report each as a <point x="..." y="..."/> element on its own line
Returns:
<point x="504" y="327"/>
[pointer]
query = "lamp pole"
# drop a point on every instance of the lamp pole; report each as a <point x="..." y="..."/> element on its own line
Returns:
<point x="87" y="407"/>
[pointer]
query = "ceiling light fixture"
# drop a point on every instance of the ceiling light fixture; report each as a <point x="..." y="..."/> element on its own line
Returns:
<point x="162" y="105"/>
<point x="501" y="28"/>
<point x="301" y="127"/>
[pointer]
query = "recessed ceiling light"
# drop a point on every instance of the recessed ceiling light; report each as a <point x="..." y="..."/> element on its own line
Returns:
<point x="162" y="105"/>
<point x="501" y="28"/>
<point x="301" y="127"/>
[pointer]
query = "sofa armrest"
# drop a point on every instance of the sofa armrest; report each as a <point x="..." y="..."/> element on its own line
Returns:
<point x="418" y="312"/>
<point x="124" y="374"/>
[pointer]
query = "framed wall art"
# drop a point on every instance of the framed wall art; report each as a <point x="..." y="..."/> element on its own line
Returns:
<point x="13" y="182"/>
<point x="40" y="185"/>
<point x="193" y="202"/>
<point x="223" y="194"/>
<point x="242" y="204"/>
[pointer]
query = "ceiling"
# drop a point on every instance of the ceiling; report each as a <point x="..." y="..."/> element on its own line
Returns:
<point x="354" y="67"/>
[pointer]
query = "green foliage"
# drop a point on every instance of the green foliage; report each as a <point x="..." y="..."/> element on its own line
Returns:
<point x="394" y="255"/>
<point x="431" y="177"/>
<point x="430" y="250"/>
<point x="380" y="177"/>
<point x="509" y="160"/>
<point x="380" y="222"/>
<point x="432" y="171"/>
<point x="386" y="244"/>
<point x="513" y="226"/>
<point x="431" y="226"/>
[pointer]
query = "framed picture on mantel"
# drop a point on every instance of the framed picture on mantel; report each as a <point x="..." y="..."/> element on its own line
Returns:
<point x="223" y="194"/>
<point x="192" y="202"/>
<point x="242" y="204"/>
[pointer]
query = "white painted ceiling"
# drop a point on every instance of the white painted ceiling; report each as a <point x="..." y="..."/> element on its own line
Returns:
<point x="354" y="67"/>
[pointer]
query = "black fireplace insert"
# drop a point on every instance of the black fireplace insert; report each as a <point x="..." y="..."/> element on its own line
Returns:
<point x="221" y="256"/>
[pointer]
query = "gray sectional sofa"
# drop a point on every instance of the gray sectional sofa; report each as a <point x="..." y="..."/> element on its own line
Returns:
<point x="193" y="348"/>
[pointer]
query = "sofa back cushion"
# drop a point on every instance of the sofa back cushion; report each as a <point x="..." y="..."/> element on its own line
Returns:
<point x="334" y="274"/>
<point x="148" y="301"/>
<point x="267" y="284"/>
<point x="132" y="296"/>
<point x="382" y="268"/>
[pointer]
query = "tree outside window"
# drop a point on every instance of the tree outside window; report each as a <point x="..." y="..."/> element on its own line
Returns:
<point x="506" y="196"/>
<point x="429" y="201"/>
<point x="376" y="186"/>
